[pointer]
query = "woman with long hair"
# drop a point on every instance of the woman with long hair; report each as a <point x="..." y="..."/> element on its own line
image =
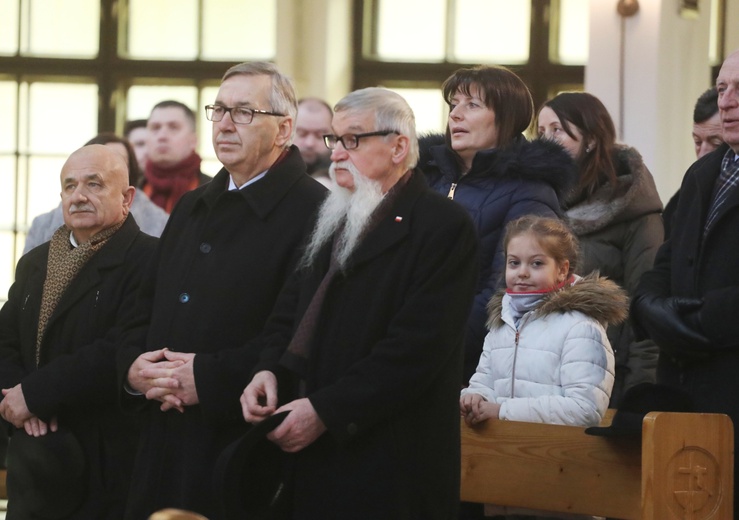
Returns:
<point x="615" y="211"/>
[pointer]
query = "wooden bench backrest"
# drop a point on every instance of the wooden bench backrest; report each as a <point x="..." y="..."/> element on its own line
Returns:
<point x="682" y="468"/>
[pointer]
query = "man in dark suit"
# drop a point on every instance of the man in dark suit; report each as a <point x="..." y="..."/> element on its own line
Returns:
<point x="687" y="304"/>
<point x="369" y="331"/>
<point x="58" y="333"/>
<point x="228" y="247"/>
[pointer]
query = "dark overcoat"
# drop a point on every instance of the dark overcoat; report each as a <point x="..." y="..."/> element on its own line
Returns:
<point x="689" y="264"/>
<point x="221" y="262"/>
<point x="385" y="370"/>
<point x="502" y="185"/>
<point x="76" y="377"/>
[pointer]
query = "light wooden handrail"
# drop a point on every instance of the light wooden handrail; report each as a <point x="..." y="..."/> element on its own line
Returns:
<point x="682" y="468"/>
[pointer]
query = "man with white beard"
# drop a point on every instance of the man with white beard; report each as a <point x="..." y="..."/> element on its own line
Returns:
<point x="365" y="341"/>
<point x="345" y="209"/>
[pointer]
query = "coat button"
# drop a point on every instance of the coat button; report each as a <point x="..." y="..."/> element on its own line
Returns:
<point x="205" y="247"/>
<point x="351" y="429"/>
<point x="184" y="297"/>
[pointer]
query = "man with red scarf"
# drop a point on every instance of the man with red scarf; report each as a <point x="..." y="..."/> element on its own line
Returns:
<point x="173" y="166"/>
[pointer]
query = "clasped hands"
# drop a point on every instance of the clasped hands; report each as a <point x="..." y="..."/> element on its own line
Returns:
<point x="166" y="376"/>
<point x="14" y="410"/>
<point x="475" y="409"/>
<point x="301" y="427"/>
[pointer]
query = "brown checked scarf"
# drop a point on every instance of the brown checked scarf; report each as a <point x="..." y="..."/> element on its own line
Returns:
<point x="64" y="263"/>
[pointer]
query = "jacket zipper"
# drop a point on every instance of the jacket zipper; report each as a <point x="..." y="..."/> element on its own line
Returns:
<point x="452" y="188"/>
<point x="523" y="320"/>
<point x="513" y="369"/>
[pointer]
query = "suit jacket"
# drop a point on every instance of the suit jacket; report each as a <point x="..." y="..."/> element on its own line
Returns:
<point x="385" y="368"/>
<point x="76" y="377"/>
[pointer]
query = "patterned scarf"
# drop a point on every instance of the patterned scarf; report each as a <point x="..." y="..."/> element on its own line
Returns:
<point x="64" y="263"/>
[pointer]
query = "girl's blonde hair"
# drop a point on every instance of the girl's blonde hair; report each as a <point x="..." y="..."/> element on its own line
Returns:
<point x="554" y="236"/>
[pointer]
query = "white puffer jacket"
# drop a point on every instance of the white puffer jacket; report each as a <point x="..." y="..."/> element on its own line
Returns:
<point x="558" y="366"/>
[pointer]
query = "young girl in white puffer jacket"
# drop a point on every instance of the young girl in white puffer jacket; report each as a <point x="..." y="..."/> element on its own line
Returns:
<point x="546" y="357"/>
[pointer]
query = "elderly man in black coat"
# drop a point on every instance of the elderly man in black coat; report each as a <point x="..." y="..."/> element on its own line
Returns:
<point x="69" y="454"/>
<point x="688" y="302"/>
<point x="225" y="254"/>
<point x="370" y="329"/>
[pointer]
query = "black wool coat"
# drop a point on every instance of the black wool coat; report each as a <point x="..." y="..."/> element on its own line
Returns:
<point x="76" y="378"/>
<point x="385" y="369"/>
<point x="691" y="265"/>
<point x="220" y="265"/>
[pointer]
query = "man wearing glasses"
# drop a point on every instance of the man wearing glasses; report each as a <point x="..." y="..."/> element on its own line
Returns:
<point x="369" y="330"/>
<point x="227" y="250"/>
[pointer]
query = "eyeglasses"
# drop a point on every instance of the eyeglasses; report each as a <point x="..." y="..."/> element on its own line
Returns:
<point x="351" y="141"/>
<point x="239" y="115"/>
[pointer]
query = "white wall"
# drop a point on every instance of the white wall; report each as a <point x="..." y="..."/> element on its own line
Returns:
<point x="314" y="48"/>
<point x="732" y="29"/>
<point x="665" y="69"/>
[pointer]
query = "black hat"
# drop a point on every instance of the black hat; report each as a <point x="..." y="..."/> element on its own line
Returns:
<point x="46" y="474"/>
<point x="249" y="475"/>
<point x="637" y="402"/>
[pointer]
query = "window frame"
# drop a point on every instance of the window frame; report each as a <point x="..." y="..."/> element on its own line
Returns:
<point x="540" y="73"/>
<point x="114" y="73"/>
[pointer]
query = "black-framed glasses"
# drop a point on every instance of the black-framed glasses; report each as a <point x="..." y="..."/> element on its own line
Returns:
<point x="239" y="115"/>
<point x="351" y="141"/>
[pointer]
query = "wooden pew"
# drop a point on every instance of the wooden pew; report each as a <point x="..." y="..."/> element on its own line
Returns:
<point x="682" y="468"/>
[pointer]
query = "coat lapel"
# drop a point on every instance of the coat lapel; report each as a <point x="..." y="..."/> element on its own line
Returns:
<point x="111" y="255"/>
<point x="395" y="226"/>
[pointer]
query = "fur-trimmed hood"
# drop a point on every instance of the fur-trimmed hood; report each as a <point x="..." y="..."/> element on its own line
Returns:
<point x="537" y="160"/>
<point x="635" y="195"/>
<point x="593" y="295"/>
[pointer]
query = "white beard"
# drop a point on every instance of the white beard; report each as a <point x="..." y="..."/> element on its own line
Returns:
<point x="344" y="206"/>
